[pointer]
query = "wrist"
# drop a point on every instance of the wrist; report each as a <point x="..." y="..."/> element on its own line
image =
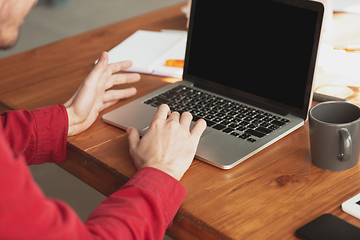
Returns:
<point x="70" y="125"/>
<point x="164" y="169"/>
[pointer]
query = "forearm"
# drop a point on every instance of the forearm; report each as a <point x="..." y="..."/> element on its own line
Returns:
<point x="40" y="135"/>
<point x="142" y="209"/>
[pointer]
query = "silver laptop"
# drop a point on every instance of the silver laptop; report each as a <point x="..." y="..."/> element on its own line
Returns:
<point x="249" y="69"/>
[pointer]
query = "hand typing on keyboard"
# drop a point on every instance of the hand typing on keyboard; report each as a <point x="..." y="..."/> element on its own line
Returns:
<point x="168" y="145"/>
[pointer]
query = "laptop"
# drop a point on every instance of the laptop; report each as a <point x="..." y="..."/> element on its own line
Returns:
<point x="248" y="71"/>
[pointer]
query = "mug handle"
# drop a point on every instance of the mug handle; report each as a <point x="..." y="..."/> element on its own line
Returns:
<point x="345" y="145"/>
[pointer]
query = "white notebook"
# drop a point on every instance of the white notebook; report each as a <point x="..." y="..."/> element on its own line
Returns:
<point x="149" y="50"/>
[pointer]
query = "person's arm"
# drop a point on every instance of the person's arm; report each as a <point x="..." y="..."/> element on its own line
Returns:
<point x="96" y="93"/>
<point x="152" y="197"/>
<point x="146" y="205"/>
<point x="40" y="135"/>
<point x="142" y="209"/>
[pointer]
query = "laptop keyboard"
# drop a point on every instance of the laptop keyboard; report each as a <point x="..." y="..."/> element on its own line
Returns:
<point x="230" y="117"/>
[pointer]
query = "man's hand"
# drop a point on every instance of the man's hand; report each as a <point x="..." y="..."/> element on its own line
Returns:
<point x="94" y="95"/>
<point x="168" y="145"/>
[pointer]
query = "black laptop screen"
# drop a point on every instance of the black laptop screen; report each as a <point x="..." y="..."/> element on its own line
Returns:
<point x="263" y="49"/>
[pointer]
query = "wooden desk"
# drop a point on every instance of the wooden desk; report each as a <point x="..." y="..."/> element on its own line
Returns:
<point x="268" y="196"/>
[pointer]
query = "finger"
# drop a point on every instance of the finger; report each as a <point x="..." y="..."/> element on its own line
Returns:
<point x="185" y="119"/>
<point x="174" y="116"/>
<point x="122" y="78"/>
<point x="108" y="104"/>
<point x="114" y="68"/>
<point x="100" y="66"/>
<point x="125" y="78"/>
<point x="162" y="112"/>
<point x="124" y="64"/>
<point x="118" y="66"/>
<point x="103" y="60"/>
<point x="97" y="72"/>
<point x="199" y="128"/>
<point x="112" y="95"/>
<point x="133" y="137"/>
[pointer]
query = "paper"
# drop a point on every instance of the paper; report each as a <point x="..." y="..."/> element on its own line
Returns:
<point x="351" y="6"/>
<point x="148" y="50"/>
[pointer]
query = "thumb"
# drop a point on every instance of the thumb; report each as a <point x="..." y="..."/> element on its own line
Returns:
<point x="133" y="137"/>
<point x="103" y="60"/>
<point x="100" y="66"/>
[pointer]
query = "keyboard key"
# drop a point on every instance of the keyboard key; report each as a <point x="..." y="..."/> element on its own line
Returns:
<point x="241" y="128"/>
<point x="219" y="127"/>
<point x="227" y="130"/>
<point x="259" y="116"/>
<point x="235" y="134"/>
<point x="217" y="120"/>
<point x="233" y="125"/>
<point x="244" y="136"/>
<point x="256" y="122"/>
<point x="255" y="133"/>
<point x="210" y="123"/>
<point x="155" y="104"/>
<point x="220" y="115"/>
<point x="195" y="118"/>
<point x="212" y="112"/>
<point x="232" y="113"/>
<point x="237" y="120"/>
<point x="278" y="123"/>
<point x="263" y="130"/>
<point x="227" y="117"/>
<point x="252" y="126"/>
<point x="273" y="127"/>
<point x="224" y="110"/>
<point x="265" y="124"/>
<point x="248" y="119"/>
<point x="201" y="114"/>
<point x="225" y="122"/>
<point x="252" y="114"/>
<point x="244" y="123"/>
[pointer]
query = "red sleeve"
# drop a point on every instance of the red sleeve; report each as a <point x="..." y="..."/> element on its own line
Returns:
<point x="40" y="135"/>
<point x="142" y="209"/>
<point x="145" y="207"/>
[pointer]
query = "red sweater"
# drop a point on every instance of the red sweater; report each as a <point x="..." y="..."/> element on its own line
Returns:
<point x="142" y="209"/>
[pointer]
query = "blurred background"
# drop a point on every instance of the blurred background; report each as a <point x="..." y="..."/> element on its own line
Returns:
<point x="53" y="20"/>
